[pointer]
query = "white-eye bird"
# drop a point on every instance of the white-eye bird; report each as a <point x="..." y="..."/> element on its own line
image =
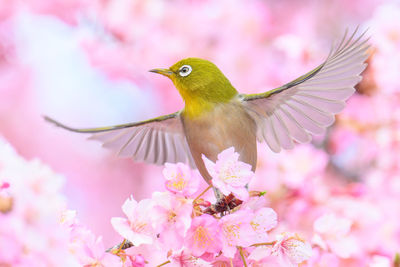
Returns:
<point x="216" y="116"/>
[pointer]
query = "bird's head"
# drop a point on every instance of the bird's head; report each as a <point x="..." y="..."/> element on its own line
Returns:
<point x="199" y="80"/>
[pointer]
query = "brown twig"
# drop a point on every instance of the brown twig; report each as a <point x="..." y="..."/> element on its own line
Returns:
<point x="164" y="263"/>
<point x="242" y="256"/>
<point x="264" y="244"/>
<point x="202" y="193"/>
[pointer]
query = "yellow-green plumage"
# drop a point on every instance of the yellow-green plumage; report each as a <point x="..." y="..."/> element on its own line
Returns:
<point x="203" y="88"/>
<point x="216" y="116"/>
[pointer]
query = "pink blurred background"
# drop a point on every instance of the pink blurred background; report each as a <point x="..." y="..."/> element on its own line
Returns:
<point x="85" y="63"/>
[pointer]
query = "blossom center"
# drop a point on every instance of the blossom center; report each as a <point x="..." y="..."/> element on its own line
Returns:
<point x="138" y="226"/>
<point x="179" y="183"/>
<point x="202" y="237"/>
<point x="255" y="226"/>
<point x="229" y="175"/>
<point x="231" y="233"/>
<point x="171" y="216"/>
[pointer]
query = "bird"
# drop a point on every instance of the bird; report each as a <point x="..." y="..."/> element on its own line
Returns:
<point x="216" y="116"/>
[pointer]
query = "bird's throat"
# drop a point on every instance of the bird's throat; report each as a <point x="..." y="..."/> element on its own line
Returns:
<point x="202" y="99"/>
<point x="194" y="108"/>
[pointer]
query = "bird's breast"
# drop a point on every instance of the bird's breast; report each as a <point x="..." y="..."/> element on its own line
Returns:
<point x="224" y="126"/>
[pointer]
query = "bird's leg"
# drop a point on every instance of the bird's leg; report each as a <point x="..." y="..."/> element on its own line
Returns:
<point x="220" y="198"/>
<point x="125" y="244"/>
<point x="218" y="195"/>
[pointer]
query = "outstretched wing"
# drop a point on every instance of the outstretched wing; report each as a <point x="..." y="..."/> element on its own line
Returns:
<point x="307" y="105"/>
<point x="157" y="140"/>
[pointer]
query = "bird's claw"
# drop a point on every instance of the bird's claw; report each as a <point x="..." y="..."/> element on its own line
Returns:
<point x="224" y="205"/>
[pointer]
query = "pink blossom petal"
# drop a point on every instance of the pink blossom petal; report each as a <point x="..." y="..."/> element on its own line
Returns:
<point x="123" y="227"/>
<point x="129" y="207"/>
<point x="236" y="231"/>
<point x="181" y="179"/>
<point x="203" y="236"/>
<point x="291" y="249"/>
<point x="264" y="220"/>
<point x="260" y="253"/>
<point x="229" y="174"/>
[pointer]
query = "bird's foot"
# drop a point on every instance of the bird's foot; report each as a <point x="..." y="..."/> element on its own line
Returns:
<point x="218" y="195"/>
<point x="224" y="205"/>
<point x="121" y="246"/>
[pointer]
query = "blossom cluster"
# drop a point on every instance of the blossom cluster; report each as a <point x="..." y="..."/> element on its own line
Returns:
<point x="190" y="231"/>
<point x="30" y="206"/>
<point x="179" y="226"/>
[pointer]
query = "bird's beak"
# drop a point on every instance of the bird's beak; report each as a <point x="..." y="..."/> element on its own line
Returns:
<point x="165" y="72"/>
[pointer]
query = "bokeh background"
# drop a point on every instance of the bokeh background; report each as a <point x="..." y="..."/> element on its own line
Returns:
<point x="86" y="62"/>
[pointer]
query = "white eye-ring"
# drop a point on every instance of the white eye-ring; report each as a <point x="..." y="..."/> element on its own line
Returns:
<point x="185" y="70"/>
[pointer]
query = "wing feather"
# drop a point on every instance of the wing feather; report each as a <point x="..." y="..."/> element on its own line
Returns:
<point x="296" y="131"/>
<point x="282" y="133"/>
<point x="320" y="104"/>
<point x="157" y="141"/>
<point x="156" y="147"/>
<point x="139" y="150"/>
<point x="270" y="135"/>
<point x="321" y="117"/>
<point x="170" y="146"/>
<point x="304" y="119"/>
<point x="126" y="143"/>
<point x="307" y="105"/>
<point x="180" y="148"/>
<point x="149" y="145"/>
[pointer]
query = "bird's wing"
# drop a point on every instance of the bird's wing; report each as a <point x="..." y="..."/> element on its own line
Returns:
<point x="157" y="140"/>
<point x="307" y="105"/>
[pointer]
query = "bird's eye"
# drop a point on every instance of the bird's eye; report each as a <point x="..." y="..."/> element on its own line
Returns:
<point x="185" y="70"/>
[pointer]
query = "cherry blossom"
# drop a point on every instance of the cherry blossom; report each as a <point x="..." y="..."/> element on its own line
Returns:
<point x="291" y="249"/>
<point x="68" y="218"/>
<point x="229" y="174"/>
<point x="236" y="231"/>
<point x="203" y="236"/>
<point x="171" y="218"/>
<point x="180" y="179"/>
<point x="137" y="228"/>
<point x="30" y="206"/>
<point x="263" y="221"/>
<point x="95" y="255"/>
<point x="380" y="261"/>
<point x="332" y="233"/>
<point x="137" y="260"/>
<point x="183" y="258"/>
